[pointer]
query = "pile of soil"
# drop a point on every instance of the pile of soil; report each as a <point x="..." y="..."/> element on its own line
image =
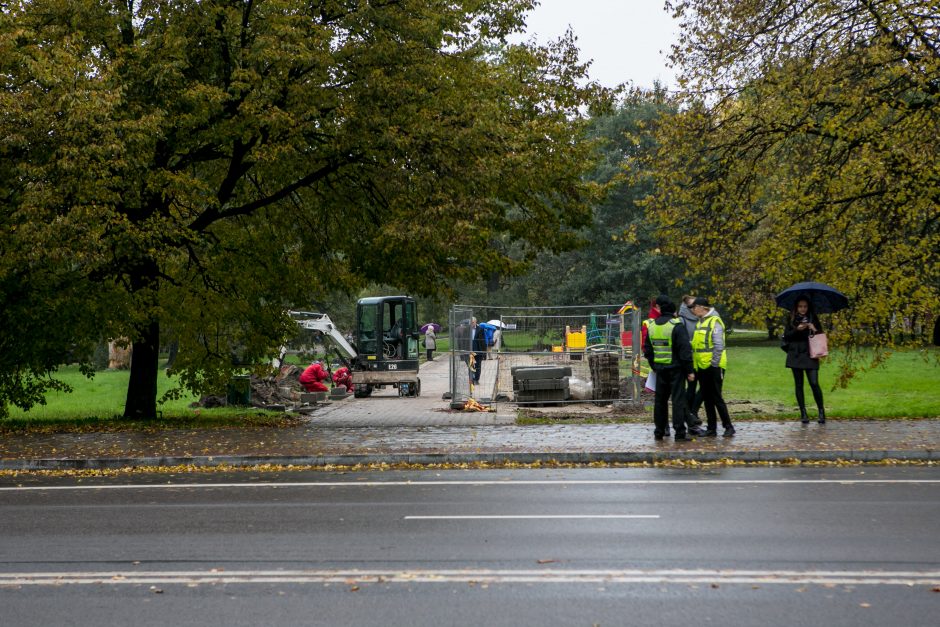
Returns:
<point x="274" y="392"/>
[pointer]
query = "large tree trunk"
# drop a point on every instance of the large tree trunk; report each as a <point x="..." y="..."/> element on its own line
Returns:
<point x="142" y="386"/>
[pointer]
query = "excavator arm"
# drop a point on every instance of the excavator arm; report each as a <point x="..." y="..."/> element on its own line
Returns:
<point x="321" y="322"/>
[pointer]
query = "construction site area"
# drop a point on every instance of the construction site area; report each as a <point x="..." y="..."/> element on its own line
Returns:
<point x="494" y="360"/>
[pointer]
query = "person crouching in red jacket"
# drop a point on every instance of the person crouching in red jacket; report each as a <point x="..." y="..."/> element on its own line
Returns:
<point x="343" y="377"/>
<point x="313" y="377"/>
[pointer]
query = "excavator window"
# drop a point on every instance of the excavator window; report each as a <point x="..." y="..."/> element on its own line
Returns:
<point x="367" y="327"/>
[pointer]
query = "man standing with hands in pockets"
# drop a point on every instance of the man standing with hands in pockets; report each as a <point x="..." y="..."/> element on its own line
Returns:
<point x="708" y="354"/>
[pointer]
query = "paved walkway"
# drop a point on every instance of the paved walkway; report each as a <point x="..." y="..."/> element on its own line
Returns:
<point x="386" y="428"/>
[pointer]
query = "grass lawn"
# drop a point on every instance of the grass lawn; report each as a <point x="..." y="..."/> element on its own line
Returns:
<point x="757" y="385"/>
<point x="98" y="404"/>
<point x="908" y="385"/>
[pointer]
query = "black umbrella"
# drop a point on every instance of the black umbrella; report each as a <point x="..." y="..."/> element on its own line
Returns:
<point x="823" y="298"/>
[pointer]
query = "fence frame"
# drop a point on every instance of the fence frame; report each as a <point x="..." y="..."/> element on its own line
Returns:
<point x="492" y="387"/>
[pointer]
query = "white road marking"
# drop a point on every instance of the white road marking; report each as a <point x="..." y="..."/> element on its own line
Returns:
<point x="528" y="516"/>
<point x="482" y="482"/>
<point x="674" y="576"/>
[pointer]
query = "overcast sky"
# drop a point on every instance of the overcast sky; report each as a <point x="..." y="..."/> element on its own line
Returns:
<point x="628" y="40"/>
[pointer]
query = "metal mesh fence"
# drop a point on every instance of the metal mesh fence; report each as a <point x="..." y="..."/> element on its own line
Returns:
<point x="543" y="356"/>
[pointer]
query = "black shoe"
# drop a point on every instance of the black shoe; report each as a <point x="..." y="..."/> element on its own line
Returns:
<point x="682" y="437"/>
<point x="728" y="432"/>
<point x="696" y="432"/>
<point x="710" y="434"/>
<point x="822" y="417"/>
<point x="658" y="436"/>
<point x="822" y="421"/>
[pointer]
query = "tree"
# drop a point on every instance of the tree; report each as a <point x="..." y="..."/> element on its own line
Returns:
<point x="200" y="166"/>
<point x="618" y="257"/>
<point x="806" y="150"/>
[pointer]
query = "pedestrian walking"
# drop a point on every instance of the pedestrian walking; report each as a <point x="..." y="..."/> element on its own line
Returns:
<point x="801" y="324"/>
<point x="430" y="342"/>
<point x="669" y="353"/>
<point x="693" y="391"/>
<point x="711" y="362"/>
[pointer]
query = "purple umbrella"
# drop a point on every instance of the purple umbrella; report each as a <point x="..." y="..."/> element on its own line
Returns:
<point x="433" y="325"/>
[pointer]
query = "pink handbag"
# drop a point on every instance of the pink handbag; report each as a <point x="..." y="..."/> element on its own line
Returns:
<point x="818" y="345"/>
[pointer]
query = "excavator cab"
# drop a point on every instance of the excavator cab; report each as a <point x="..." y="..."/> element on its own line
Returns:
<point x="387" y="337"/>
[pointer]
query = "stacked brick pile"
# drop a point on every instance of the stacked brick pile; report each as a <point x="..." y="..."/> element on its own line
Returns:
<point x="605" y="376"/>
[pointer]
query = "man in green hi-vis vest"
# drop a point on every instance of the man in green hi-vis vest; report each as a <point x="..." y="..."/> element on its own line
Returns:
<point x="708" y="355"/>
<point x="669" y="353"/>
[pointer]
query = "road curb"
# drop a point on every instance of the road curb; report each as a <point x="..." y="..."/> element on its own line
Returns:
<point x="496" y="458"/>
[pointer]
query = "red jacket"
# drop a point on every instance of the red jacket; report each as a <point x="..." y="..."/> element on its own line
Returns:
<point x="312" y="377"/>
<point x="343" y="377"/>
<point x="652" y="315"/>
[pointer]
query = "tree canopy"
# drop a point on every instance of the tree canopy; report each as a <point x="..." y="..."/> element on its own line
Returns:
<point x="619" y="257"/>
<point x="193" y="168"/>
<point x="806" y="150"/>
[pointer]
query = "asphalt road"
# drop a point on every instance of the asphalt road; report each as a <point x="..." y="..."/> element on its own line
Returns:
<point x="736" y="546"/>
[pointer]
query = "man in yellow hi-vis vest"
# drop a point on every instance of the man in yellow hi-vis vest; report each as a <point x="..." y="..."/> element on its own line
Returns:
<point x="669" y="352"/>
<point x="708" y="354"/>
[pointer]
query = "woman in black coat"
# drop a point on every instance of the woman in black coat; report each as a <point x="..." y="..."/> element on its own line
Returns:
<point x="802" y="323"/>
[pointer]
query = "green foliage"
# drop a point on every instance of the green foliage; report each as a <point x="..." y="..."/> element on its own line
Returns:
<point x="806" y="150"/>
<point x="618" y="257"/>
<point x="192" y="169"/>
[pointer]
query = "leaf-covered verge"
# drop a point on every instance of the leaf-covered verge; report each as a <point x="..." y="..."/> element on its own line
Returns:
<point x="221" y="418"/>
<point x="384" y="467"/>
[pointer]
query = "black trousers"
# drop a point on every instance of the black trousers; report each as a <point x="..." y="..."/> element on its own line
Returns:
<point x="430" y="354"/>
<point x="670" y="386"/>
<point x="693" y="397"/>
<point x="710" y="381"/>
<point x="813" y="376"/>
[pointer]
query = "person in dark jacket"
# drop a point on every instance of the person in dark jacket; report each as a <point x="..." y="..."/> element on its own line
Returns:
<point x="477" y="349"/>
<point x="693" y="392"/>
<point x="669" y="353"/>
<point x="801" y="323"/>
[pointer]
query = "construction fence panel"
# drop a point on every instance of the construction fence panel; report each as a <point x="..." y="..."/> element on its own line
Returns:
<point x="547" y="355"/>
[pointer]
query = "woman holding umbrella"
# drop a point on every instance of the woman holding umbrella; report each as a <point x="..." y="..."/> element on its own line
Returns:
<point x="801" y="323"/>
<point x="806" y="300"/>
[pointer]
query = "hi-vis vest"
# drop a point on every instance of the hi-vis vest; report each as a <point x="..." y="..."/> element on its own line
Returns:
<point x="703" y="346"/>
<point x="661" y="339"/>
